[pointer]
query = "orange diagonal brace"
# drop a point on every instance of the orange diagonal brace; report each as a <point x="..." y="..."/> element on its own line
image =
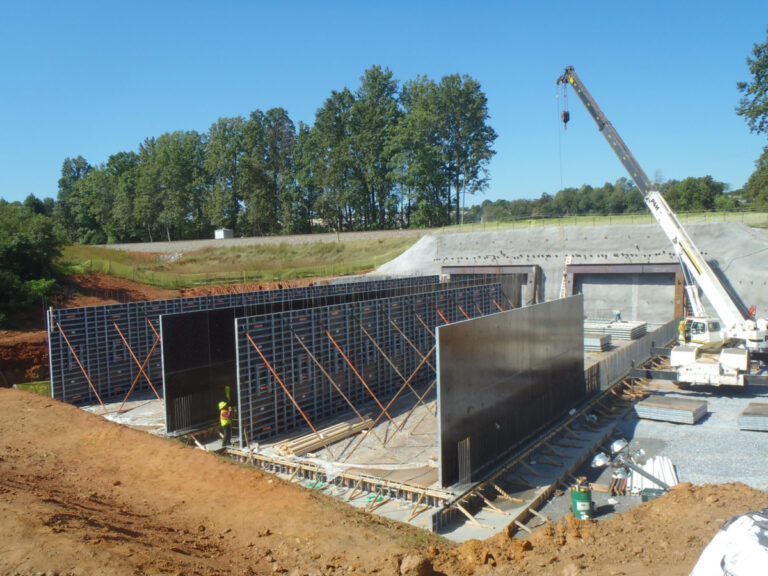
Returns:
<point x="497" y="305"/>
<point x="144" y="365"/>
<point x="462" y="310"/>
<point x="290" y="396"/>
<point x="139" y="364"/>
<point x="359" y="377"/>
<point x="153" y="329"/>
<point x="80" y="365"/>
<point x="384" y="410"/>
<point x="441" y="314"/>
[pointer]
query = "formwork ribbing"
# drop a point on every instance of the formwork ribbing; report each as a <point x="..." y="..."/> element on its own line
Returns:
<point x="95" y="339"/>
<point x="265" y="410"/>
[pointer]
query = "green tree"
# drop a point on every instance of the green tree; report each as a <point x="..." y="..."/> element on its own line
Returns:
<point x="122" y="169"/>
<point x="417" y="157"/>
<point x="753" y="105"/>
<point x="267" y="171"/>
<point x="756" y="189"/>
<point x="333" y="167"/>
<point x="374" y="117"/>
<point x="70" y="208"/>
<point x="466" y="137"/>
<point x="223" y="161"/>
<point x="693" y="194"/>
<point x="305" y="193"/>
<point x="179" y="158"/>
<point x="28" y="243"/>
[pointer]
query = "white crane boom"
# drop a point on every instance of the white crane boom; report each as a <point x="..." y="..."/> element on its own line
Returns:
<point x="695" y="266"/>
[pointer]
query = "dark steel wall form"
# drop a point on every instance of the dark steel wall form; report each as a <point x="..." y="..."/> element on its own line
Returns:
<point x="198" y="353"/>
<point x="91" y="332"/>
<point x="199" y="357"/>
<point x="266" y="411"/>
<point x="502" y="378"/>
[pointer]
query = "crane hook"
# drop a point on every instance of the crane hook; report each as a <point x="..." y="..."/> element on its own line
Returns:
<point x="565" y="116"/>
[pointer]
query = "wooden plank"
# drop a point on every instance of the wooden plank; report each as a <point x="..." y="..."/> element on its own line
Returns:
<point x="472" y="519"/>
<point x="505" y="495"/>
<point x="531" y="469"/>
<point x="522" y="526"/>
<point x="491" y="506"/>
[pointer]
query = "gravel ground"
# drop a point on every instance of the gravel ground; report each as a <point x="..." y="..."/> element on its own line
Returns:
<point x="713" y="451"/>
<point x="192" y="245"/>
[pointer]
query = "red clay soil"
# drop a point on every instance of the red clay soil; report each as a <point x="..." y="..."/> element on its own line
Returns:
<point x="82" y="495"/>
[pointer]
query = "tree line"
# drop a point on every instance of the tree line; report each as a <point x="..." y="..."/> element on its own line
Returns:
<point x="691" y="194"/>
<point x="387" y="155"/>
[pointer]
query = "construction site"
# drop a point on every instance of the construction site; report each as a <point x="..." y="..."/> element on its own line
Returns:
<point x="546" y="400"/>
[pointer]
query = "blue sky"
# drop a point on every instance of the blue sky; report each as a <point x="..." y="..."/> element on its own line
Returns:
<point x="96" y="78"/>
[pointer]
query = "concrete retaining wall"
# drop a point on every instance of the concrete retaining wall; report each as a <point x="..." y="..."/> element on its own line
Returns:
<point x="734" y="250"/>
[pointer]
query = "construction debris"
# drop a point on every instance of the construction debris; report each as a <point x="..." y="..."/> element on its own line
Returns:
<point x="659" y="467"/>
<point x="670" y="409"/>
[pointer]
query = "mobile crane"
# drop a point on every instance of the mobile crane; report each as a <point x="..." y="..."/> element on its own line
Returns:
<point x="699" y="332"/>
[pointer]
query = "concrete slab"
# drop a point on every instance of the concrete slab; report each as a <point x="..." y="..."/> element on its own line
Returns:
<point x="142" y="411"/>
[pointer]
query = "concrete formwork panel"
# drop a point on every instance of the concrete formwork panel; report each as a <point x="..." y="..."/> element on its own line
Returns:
<point x="88" y="340"/>
<point x="501" y="378"/>
<point x="298" y="347"/>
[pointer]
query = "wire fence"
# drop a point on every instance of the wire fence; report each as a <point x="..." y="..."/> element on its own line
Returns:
<point x="748" y="218"/>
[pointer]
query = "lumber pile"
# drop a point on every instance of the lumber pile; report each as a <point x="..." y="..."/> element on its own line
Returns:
<point x="754" y="417"/>
<point x="302" y="445"/>
<point x="668" y="409"/>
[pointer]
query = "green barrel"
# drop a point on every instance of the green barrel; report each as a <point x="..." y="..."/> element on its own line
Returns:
<point x="583" y="507"/>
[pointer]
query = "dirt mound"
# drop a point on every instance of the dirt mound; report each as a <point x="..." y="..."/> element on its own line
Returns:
<point x="101" y="289"/>
<point x="78" y="493"/>
<point x="664" y="536"/>
<point x="23" y="356"/>
<point x="247" y="287"/>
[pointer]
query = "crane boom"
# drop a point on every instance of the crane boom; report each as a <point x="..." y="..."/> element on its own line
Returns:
<point x="735" y="323"/>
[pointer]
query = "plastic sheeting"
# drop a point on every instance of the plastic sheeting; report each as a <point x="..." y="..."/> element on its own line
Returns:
<point x="740" y="548"/>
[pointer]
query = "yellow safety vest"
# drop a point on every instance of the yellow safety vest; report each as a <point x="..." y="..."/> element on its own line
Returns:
<point x="225" y="417"/>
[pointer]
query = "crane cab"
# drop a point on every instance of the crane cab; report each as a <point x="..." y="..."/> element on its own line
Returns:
<point x="704" y="332"/>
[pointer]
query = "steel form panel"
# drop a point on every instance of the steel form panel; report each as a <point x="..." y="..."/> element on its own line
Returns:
<point x="502" y="378"/>
<point x="109" y="364"/>
<point x="265" y="411"/>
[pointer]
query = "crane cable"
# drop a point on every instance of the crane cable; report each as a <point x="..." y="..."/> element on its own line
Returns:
<point x="564" y="115"/>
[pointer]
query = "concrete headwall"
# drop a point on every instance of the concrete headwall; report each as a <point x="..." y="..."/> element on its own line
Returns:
<point x="734" y="250"/>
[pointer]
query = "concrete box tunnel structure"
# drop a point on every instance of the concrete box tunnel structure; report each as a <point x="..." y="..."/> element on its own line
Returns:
<point x="488" y="373"/>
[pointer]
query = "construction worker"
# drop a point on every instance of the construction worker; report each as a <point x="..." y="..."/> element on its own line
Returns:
<point x="225" y="419"/>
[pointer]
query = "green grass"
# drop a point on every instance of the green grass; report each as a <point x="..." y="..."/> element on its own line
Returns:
<point x="43" y="387"/>
<point x="262" y="263"/>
